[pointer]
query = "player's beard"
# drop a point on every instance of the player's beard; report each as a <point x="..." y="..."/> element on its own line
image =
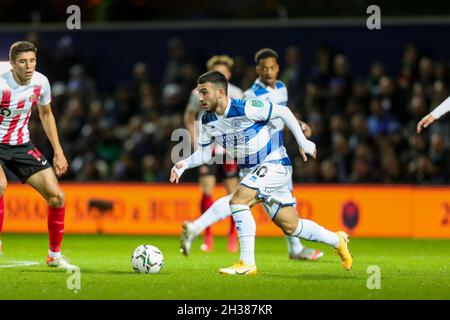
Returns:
<point x="213" y="105"/>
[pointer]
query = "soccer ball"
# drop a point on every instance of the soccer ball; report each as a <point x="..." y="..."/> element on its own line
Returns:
<point x="147" y="259"/>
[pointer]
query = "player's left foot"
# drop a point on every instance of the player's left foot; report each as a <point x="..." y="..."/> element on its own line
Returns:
<point x="60" y="262"/>
<point x="307" y="254"/>
<point x="240" y="268"/>
<point x="343" y="251"/>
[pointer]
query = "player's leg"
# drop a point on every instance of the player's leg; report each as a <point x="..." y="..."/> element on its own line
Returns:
<point x="256" y="186"/>
<point x="219" y="210"/>
<point x="207" y="183"/>
<point x="3" y="184"/>
<point x="296" y="250"/>
<point x="231" y="182"/>
<point x="288" y="221"/>
<point x="46" y="183"/>
<point x="241" y="202"/>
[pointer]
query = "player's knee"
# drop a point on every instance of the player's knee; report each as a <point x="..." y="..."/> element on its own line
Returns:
<point x="288" y="228"/>
<point x="237" y="199"/>
<point x="3" y="185"/>
<point x="56" y="200"/>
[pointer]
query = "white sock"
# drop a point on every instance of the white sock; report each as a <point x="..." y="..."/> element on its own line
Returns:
<point x="309" y="230"/>
<point x="54" y="254"/>
<point x="294" y="245"/>
<point x="219" y="210"/>
<point x="246" y="230"/>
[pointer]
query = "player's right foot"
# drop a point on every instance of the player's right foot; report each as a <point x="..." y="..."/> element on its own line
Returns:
<point x="60" y="262"/>
<point x="187" y="237"/>
<point x="240" y="268"/>
<point x="343" y="251"/>
<point x="1" y="249"/>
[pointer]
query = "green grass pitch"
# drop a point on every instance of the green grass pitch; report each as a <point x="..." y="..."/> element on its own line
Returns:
<point x="410" y="269"/>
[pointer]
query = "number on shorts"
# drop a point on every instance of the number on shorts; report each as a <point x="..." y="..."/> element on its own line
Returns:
<point x="261" y="171"/>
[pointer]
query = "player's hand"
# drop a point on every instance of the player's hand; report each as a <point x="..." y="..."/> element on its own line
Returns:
<point x="177" y="171"/>
<point x="307" y="131"/>
<point x="309" y="147"/>
<point x="60" y="164"/>
<point x="425" y="122"/>
<point x="303" y="154"/>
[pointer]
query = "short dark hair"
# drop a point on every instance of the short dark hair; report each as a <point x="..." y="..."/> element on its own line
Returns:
<point x="19" y="47"/>
<point x="265" y="53"/>
<point x="216" y="78"/>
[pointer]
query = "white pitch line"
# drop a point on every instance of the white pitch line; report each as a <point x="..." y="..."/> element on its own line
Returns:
<point x="13" y="264"/>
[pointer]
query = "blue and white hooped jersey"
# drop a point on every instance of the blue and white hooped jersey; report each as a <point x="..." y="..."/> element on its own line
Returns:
<point x="277" y="95"/>
<point x="259" y="90"/>
<point x="245" y="132"/>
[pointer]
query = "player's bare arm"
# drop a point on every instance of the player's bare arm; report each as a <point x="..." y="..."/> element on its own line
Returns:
<point x="201" y="156"/>
<point x="425" y="122"/>
<point x="49" y="124"/>
<point x="438" y="112"/>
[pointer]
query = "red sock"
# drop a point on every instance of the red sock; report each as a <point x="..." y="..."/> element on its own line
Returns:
<point x="205" y="204"/>
<point x="55" y="227"/>
<point x="233" y="231"/>
<point x="2" y="213"/>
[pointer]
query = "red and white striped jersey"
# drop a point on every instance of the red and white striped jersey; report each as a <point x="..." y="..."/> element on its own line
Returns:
<point x="16" y="104"/>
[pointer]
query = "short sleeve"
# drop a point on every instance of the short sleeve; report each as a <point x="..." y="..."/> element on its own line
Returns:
<point x="46" y="93"/>
<point x="258" y="110"/>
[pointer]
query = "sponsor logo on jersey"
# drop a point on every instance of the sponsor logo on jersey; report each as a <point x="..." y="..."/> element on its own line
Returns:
<point x="257" y="104"/>
<point x="33" y="98"/>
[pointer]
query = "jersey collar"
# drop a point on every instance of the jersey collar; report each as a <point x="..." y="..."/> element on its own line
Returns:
<point x="260" y="83"/>
<point x="227" y="108"/>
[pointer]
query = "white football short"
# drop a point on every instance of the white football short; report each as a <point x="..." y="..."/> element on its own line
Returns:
<point x="273" y="181"/>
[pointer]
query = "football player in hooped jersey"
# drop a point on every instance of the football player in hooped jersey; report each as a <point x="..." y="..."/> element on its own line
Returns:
<point x="229" y="170"/>
<point x="267" y="87"/>
<point x="243" y="129"/>
<point x="21" y="89"/>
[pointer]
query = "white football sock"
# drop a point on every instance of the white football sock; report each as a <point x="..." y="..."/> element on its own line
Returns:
<point x="219" y="210"/>
<point x="294" y="245"/>
<point x="246" y="230"/>
<point x="54" y="254"/>
<point x="309" y="230"/>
